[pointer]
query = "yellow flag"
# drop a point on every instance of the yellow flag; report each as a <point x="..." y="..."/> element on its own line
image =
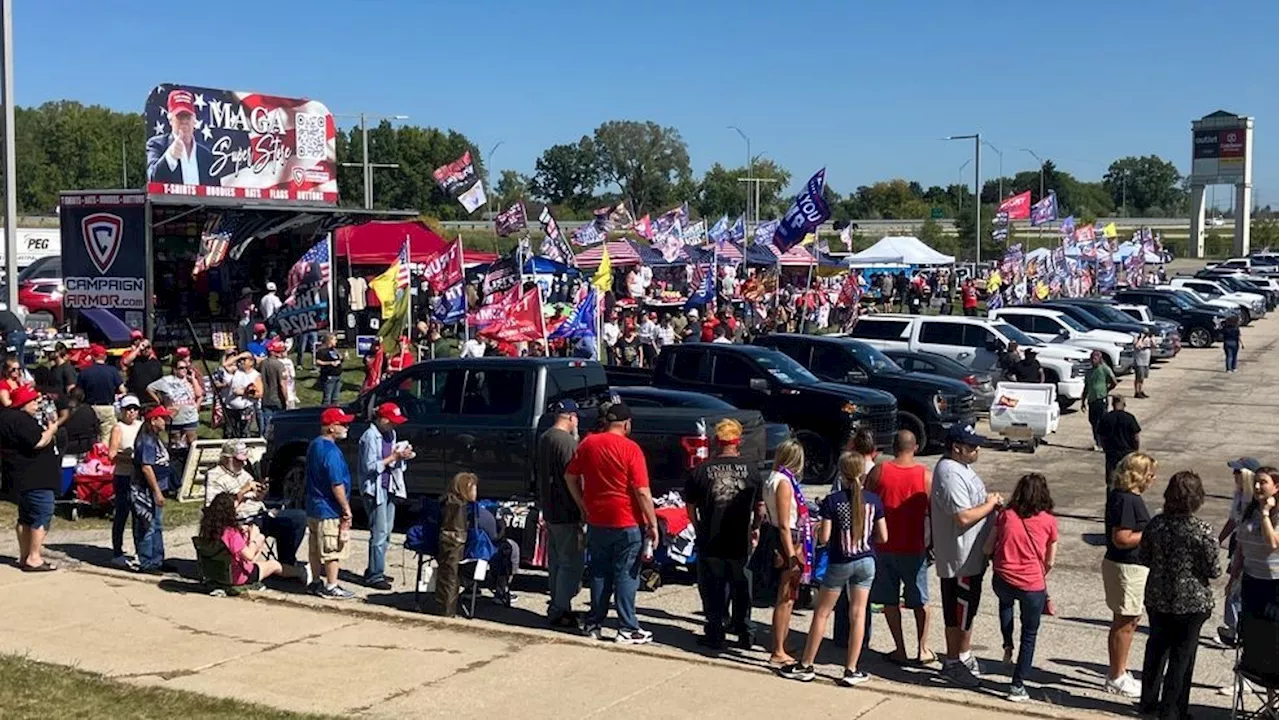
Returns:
<point x="395" y="306"/>
<point x="809" y="239"/>
<point x="603" y="279"/>
<point x="384" y="286"/>
<point x="1109" y="230"/>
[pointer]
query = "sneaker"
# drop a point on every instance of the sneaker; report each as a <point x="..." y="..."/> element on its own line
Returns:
<point x="746" y="641"/>
<point x="796" y="671"/>
<point x="304" y="575"/>
<point x="853" y="677"/>
<point x="380" y="584"/>
<point x="974" y="667"/>
<point x="124" y="562"/>
<point x="1017" y="694"/>
<point x="337" y="592"/>
<point x="1226" y="636"/>
<point x="633" y="637"/>
<point x="960" y="674"/>
<point x="711" y="642"/>
<point x="1124" y="685"/>
<point x="316" y="587"/>
<point x="591" y="631"/>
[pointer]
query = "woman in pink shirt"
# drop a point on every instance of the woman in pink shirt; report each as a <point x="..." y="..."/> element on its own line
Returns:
<point x="244" y="542"/>
<point x="1022" y="549"/>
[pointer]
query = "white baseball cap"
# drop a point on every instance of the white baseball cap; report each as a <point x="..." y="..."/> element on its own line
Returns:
<point x="271" y="287"/>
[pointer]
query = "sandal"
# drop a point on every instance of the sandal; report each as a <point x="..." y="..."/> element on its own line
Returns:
<point x="42" y="567"/>
<point x="929" y="660"/>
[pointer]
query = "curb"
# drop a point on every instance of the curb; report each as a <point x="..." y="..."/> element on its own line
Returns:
<point x="485" y="628"/>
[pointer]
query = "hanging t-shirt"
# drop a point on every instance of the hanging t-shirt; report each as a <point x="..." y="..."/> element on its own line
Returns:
<point x="357" y="287"/>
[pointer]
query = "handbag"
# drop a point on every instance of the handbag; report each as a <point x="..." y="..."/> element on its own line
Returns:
<point x="1049" y="607"/>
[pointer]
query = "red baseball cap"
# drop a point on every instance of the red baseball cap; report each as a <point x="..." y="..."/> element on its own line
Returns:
<point x="276" y="346"/>
<point x="181" y="101"/>
<point x="158" y="411"/>
<point x="23" y="395"/>
<point x="391" y="411"/>
<point x="335" y="416"/>
<point x="97" y="351"/>
<point x="259" y="327"/>
<point x="183" y="352"/>
<point x="135" y="334"/>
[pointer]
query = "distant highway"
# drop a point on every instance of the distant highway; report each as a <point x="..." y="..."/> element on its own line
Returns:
<point x="872" y="227"/>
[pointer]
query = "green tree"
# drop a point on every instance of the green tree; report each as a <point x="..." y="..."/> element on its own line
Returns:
<point x="1138" y="184"/>
<point x="511" y="187"/>
<point x="567" y="175"/>
<point x="644" y="159"/>
<point x="719" y="192"/>
<point x="418" y="151"/>
<point x="931" y="234"/>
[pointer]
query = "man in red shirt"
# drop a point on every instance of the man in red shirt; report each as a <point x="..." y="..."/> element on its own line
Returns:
<point x="969" y="298"/>
<point x="609" y="480"/>
<point x="902" y="567"/>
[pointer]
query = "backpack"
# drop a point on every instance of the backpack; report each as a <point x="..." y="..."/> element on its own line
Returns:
<point x="423" y="537"/>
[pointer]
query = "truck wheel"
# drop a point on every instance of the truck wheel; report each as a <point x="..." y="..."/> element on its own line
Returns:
<point x="1245" y="316"/>
<point x="1064" y="403"/>
<point x="1199" y="337"/>
<point x="908" y="421"/>
<point x="819" y="465"/>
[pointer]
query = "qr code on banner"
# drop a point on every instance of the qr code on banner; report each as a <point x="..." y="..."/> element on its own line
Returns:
<point x="309" y="130"/>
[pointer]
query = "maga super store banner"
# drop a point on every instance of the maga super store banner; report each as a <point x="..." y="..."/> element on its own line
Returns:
<point x="205" y="142"/>
<point x="104" y="259"/>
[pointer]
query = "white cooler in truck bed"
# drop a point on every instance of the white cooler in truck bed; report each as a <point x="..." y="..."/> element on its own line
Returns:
<point x="1025" y="411"/>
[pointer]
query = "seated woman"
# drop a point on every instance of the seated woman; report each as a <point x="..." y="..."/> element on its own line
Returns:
<point x="244" y="542"/>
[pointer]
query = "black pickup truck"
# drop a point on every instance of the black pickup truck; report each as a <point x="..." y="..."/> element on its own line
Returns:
<point x="822" y="415"/>
<point x="484" y="415"/>
<point x="927" y="404"/>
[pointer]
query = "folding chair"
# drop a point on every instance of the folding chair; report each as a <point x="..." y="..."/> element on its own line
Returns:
<point x="469" y="590"/>
<point x="213" y="561"/>
<point x="1255" y="670"/>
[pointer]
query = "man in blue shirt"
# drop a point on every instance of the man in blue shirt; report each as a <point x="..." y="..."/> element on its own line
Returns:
<point x="258" y="345"/>
<point x="328" y="505"/>
<point x="102" y="384"/>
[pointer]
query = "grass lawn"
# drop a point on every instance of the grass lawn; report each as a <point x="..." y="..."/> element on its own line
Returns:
<point x="38" y="690"/>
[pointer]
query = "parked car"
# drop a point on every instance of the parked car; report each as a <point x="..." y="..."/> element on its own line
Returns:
<point x="927" y="404"/>
<point x="1100" y="314"/>
<point x="822" y="415"/>
<point x="1142" y="313"/>
<point x="980" y="381"/>
<point x="1252" y="305"/>
<point x="1200" y="326"/>
<point x="40" y="291"/>
<point x="1262" y="264"/>
<point x="1054" y="326"/>
<point x="974" y="342"/>
<point x="484" y="415"/>
<point x="1199" y="300"/>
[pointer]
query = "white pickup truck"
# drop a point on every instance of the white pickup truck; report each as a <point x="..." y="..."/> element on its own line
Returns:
<point x="1252" y="305"/>
<point x="1056" y="327"/>
<point x="975" y="342"/>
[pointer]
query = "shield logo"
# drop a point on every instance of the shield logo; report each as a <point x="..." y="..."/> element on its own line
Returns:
<point x="102" y="233"/>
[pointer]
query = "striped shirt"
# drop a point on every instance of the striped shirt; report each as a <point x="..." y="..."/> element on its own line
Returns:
<point x="1260" y="561"/>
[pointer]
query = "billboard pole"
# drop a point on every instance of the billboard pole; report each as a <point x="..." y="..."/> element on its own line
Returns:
<point x="10" y="164"/>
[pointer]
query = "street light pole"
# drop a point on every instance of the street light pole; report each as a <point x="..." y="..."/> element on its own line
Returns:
<point x="10" y="163"/>
<point x="1001" y="179"/>
<point x="977" y="192"/>
<point x="960" y="184"/>
<point x="1041" y="161"/>
<point x="488" y="177"/>
<point x="750" y="173"/>
<point x="364" y="164"/>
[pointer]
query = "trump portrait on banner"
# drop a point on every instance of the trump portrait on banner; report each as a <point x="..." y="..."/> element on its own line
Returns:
<point x="175" y="156"/>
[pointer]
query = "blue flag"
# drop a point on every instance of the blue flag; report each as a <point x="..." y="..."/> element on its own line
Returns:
<point x="451" y="307"/>
<point x="1045" y="211"/>
<point x="739" y="230"/>
<point x="807" y="212"/>
<point x="581" y="323"/>
<point x="764" y="232"/>
<point x="719" y="230"/>
<point x="706" y="292"/>
<point x="1069" y="225"/>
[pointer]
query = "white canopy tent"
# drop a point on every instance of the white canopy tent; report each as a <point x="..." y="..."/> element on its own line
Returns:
<point x="905" y="250"/>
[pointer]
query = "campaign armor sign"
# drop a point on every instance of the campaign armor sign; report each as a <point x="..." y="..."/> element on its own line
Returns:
<point x="104" y="255"/>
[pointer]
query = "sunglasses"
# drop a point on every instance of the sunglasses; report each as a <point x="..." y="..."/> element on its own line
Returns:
<point x="183" y="367"/>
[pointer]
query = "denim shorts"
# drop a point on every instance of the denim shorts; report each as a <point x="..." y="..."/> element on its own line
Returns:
<point x="901" y="579"/>
<point x="858" y="574"/>
<point x="35" y="508"/>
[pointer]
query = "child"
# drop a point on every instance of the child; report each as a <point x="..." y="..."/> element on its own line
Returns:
<point x="453" y="540"/>
<point x="219" y="524"/>
<point x="1242" y="470"/>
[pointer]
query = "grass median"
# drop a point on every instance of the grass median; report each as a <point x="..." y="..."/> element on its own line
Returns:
<point x="34" y="689"/>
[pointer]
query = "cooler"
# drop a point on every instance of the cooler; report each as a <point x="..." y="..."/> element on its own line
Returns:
<point x="1024" y="411"/>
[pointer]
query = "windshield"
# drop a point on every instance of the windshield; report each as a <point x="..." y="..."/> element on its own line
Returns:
<point x="1181" y="300"/>
<point x="871" y="358"/>
<point x="785" y="370"/>
<point x="1110" y="314"/>
<point x="1015" y="334"/>
<point x="1072" y="323"/>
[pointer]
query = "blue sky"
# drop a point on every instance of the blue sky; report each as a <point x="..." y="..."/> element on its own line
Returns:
<point x="864" y="88"/>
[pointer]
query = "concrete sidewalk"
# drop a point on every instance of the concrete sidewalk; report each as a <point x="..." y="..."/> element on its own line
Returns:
<point x="365" y="661"/>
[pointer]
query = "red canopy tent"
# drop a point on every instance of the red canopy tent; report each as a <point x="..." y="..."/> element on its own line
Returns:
<point x="378" y="243"/>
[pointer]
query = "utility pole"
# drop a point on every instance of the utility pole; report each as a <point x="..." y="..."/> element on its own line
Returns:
<point x="366" y="166"/>
<point x="750" y="175"/>
<point x="10" y="164"/>
<point x="977" y="191"/>
<point x="755" y="182"/>
<point x="124" y="163"/>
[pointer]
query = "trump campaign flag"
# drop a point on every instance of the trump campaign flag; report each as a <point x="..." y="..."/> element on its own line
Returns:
<point x="738" y="231"/>
<point x="1016" y="207"/>
<point x="643" y="228"/>
<point x="521" y="322"/>
<point x="581" y="323"/>
<point x="510" y="220"/>
<point x="807" y="212"/>
<point x="444" y="269"/>
<point x="764" y="232"/>
<point x="719" y="230"/>
<point x="456" y="176"/>
<point x="450" y="307"/>
<point x="1045" y="211"/>
<point x="706" y="291"/>
<point x="588" y="234"/>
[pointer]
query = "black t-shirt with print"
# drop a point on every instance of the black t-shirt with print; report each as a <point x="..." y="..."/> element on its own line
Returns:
<point x="725" y="492"/>
<point x="1125" y="510"/>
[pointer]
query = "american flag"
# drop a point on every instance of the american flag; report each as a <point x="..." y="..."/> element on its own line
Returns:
<point x="311" y="269"/>
<point x="844" y="519"/>
<point x="402" y="273"/>
<point x="215" y="242"/>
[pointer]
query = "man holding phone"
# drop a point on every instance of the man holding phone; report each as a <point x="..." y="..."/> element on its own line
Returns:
<point x="382" y="465"/>
<point x="287" y="527"/>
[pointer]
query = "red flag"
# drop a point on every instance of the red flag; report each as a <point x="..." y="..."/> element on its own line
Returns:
<point x="1017" y="207"/>
<point x="494" y="310"/>
<point x="644" y="228"/>
<point x="522" y="321"/>
<point x="444" y="269"/>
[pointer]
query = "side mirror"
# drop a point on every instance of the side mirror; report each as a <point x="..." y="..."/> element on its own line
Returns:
<point x="759" y="385"/>
<point x="855" y="377"/>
